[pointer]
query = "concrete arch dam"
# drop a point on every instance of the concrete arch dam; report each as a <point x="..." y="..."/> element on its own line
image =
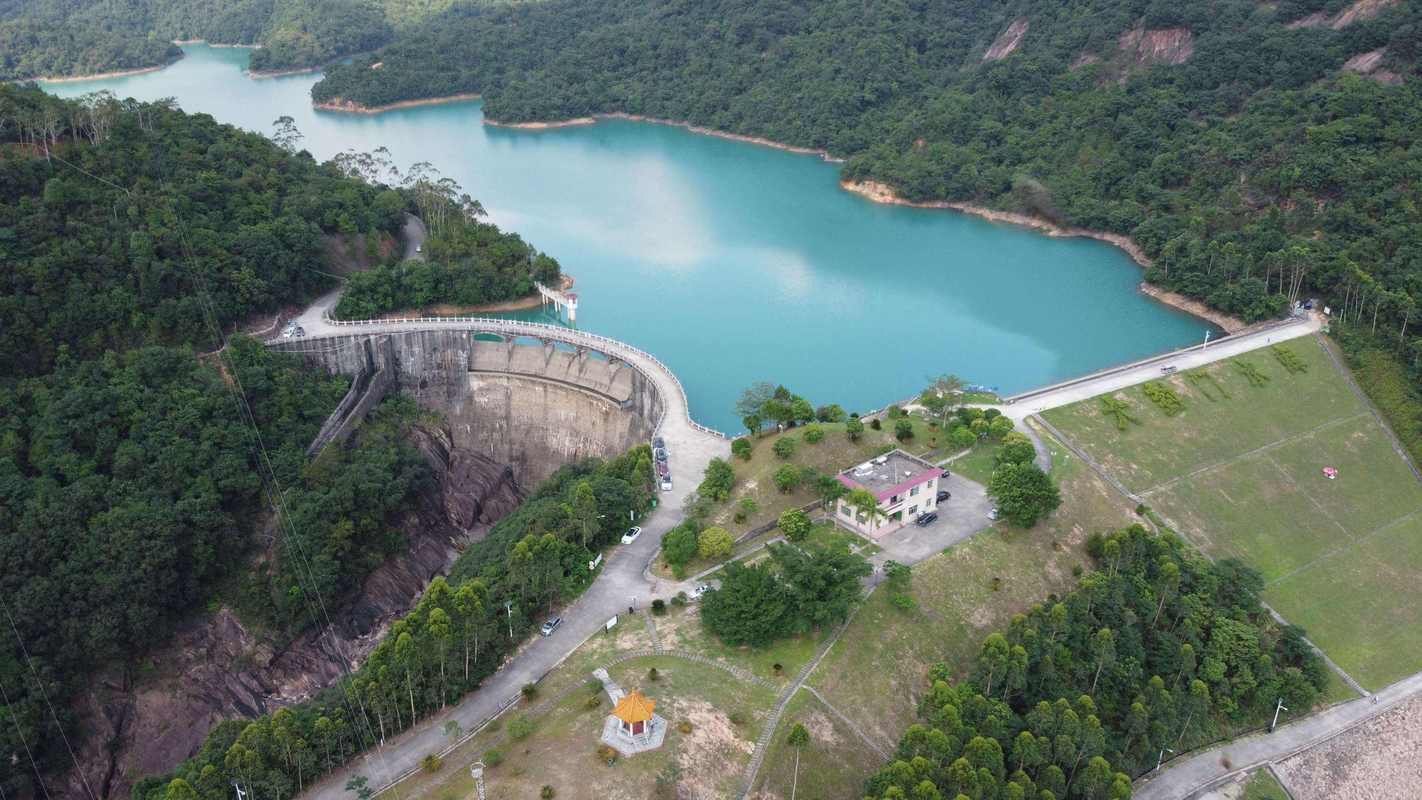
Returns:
<point x="532" y="396"/>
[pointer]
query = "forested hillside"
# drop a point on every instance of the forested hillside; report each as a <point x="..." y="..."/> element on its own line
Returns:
<point x="82" y="37"/>
<point x="132" y="484"/>
<point x="461" y="630"/>
<point x="1258" y="153"/>
<point x="1157" y="648"/>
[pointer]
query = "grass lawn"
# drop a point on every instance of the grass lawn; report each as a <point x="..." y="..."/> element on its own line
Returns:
<point x="681" y="629"/>
<point x="875" y="673"/>
<point x="1242" y="476"/>
<point x="561" y="750"/>
<point x="1263" y="786"/>
<point x="832" y="766"/>
<point x="978" y="464"/>
<point x="1212" y="428"/>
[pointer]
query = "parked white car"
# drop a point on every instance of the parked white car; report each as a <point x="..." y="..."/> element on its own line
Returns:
<point x="631" y="535"/>
<point x="700" y="591"/>
<point x="666" y="484"/>
<point x="550" y="626"/>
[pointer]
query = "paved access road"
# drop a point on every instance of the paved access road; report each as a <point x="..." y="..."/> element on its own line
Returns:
<point x="1194" y="773"/>
<point x="1110" y="380"/>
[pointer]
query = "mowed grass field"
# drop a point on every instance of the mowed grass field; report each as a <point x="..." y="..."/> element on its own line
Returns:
<point x="1240" y="473"/>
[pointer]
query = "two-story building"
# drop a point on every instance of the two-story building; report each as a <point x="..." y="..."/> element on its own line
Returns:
<point x="905" y="485"/>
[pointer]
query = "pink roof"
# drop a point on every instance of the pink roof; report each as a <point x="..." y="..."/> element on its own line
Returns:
<point x="898" y="488"/>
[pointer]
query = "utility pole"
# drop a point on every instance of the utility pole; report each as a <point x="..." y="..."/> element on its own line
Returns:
<point x="1277" y="708"/>
<point x="508" y="606"/>
<point x="241" y="795"/>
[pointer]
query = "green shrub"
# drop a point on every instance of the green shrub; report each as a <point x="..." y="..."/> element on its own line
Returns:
<point x="547" y="792"/>
<point x="529" y="691"/>
<point x="784" y="447"/>
<point x="659" y="607"/>
<point x="520" y="728"/>
<point x="1164" y="397"/>
<point x="492" y="758"/>
<point x="1118" y="410"/>
<point x="903" y="430"/>
<point x="875" y="424"/>
<point x="741" y="448"/>
<point x="1289" y="359"/>
<point x="814" y="434"/>
<point x="1250" y="372"/>
<point x="714" y="543"/>
<point x="431" y="763"/>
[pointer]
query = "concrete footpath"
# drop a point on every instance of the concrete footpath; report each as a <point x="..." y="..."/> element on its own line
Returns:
<point x="1200" y="771"/>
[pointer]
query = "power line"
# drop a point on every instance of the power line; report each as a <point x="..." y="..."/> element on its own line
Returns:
<point x="10" y="712"/>
<point x="45" y="694"/>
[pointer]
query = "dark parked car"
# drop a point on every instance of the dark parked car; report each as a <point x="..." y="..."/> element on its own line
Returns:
<point x="660" y="453"/>
<point x="658" y="443"/>
<point x="944" y="495"/>
<point x="926" y="519"/>
<point x="946" y="474"/>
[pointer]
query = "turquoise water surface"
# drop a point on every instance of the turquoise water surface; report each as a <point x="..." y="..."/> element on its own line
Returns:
<point x="734" y="262"/>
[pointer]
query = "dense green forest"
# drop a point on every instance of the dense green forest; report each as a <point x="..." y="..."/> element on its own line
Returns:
<point x="457" y="635"/>
<point x="1224" y="136"/>
<point x="130" y="234"/>
<point x="1156" y="648"/>
<point x="466" y="261"/>
<point x="185" y="211"/>
<point x="84" y="37"/>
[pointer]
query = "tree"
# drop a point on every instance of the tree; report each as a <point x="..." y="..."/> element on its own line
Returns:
<point x="752" y="401"/>
<point x="798" y="738"/>
<point x="679" y="545"/>
<point x="749" y="609"/>
<point x="741" y="448"/>
<point x="865" y="504"/>
<point x="787" y="478"/>
<point x="962" y="438"/>
<point x="1024" y="493"/>
<point x="854" y="429"/>
<point x="903" y="430"/>
<point x="719" y="480"/>
<point x="814" y="434"/>
<point x="829" y="489"/>
<point x="822" y="584"/>
<point x="784" y="447"/>
<point x="1016" y="449"/>
<point x="795" y="525"/>
<point x="831" y="413"/>
<point x="714" y="543"/>
<point x="999" y="427"/>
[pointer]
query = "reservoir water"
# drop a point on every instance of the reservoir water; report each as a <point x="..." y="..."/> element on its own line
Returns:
<point x="734" y="262"/>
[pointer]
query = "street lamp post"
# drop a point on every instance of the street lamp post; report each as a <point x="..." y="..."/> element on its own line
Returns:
<point x="508" y="606"/>
<point x="1277" y="708"/>
<point x="1161" y="759"/>
<point x="1207" y="341"/>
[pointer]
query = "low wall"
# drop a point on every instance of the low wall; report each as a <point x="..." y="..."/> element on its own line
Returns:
<point x="533" y="405"/>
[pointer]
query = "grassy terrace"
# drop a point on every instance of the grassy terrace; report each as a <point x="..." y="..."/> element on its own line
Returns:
<point x="875" y="673"/>
<point x="1240" y="472"/>
<point x="754" y="478"/>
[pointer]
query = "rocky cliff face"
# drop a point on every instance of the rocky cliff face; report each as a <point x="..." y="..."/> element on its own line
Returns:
<point x="140" y="720"/>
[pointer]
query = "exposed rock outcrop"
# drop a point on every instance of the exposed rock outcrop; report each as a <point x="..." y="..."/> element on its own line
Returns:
<point x="1370" y="64"/>
<point x="1008" y="41"/>
<point x="1359" y="11"/>
<point x="1143" y="47"/>
<point x="143" y="719"/>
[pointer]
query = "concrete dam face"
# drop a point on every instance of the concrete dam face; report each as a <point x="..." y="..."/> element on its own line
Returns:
<point x="530" y="403"/>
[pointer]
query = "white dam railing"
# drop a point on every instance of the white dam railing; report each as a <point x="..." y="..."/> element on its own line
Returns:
<point x="537" y="330"/>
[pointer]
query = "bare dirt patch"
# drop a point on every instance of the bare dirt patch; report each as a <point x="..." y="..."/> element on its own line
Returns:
<point x="1160" y="46"/>
<point x="1378" y="760"/>
<point x="706" y="751"/>
<point x="1008" y="41"/>
<point x="821" y="728"/>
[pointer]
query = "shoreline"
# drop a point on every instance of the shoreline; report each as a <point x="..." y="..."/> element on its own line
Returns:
<point x="697" y="129"/>
<point x="181" y="42"/>
<point x="97" y="76"/>
<point x="446" y="310"/>
<point x="351" y="107"/>
<point x="258" y="75"/>
<point x="879" y="192"/>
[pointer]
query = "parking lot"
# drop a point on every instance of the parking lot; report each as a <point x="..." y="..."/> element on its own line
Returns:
<point x="959" y="517"/>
